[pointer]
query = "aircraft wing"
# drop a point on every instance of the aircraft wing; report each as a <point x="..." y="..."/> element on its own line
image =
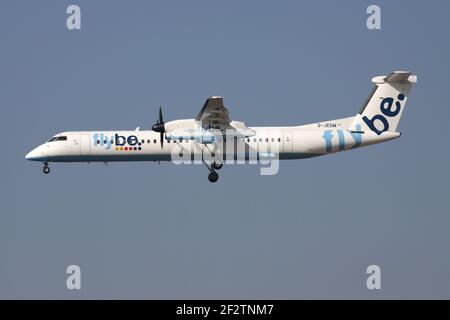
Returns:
<point x="214" y="113"/>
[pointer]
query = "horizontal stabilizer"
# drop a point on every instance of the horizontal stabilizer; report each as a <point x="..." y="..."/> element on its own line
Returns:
<point x="396" y="77"/>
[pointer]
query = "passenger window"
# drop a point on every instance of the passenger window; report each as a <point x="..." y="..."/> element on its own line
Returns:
<point x="148" y="140"/>
<point x="254" y="139"/>
<point x="267" y="139"/>
<point x="154" y="140"/>
<point x="273" y="140"/>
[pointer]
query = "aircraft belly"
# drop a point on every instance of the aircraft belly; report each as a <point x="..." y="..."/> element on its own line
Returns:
<point x="110" y="158"/>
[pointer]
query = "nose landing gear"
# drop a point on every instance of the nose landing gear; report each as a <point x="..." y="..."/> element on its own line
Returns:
<point x="46" y="168"/>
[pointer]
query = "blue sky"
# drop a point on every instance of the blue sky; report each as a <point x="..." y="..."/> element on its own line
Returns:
<point x="162" y="231"/>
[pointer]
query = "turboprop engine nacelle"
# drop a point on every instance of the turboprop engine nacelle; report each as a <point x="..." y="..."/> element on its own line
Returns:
<point x="203" y="138"/>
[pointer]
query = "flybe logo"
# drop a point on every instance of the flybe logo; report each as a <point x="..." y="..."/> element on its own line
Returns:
<point x="342" y="140"/>
<point x="120" y="143"/>
<point x="388" y="109"/>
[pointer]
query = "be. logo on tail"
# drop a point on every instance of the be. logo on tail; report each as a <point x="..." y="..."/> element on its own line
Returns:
<point x="388" y="109"/>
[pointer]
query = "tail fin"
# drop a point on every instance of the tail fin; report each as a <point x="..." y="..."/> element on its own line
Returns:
<point x="385" y="104"/>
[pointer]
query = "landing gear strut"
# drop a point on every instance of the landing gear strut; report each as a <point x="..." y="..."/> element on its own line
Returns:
<point x="46" y="168"/>
<point x="212" y="176"/>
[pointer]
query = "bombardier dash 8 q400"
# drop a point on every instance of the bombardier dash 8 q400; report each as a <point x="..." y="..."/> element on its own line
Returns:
<point x="215" y="139"/>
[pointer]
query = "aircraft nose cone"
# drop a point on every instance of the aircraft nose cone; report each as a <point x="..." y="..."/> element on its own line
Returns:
<point x="31" y="155"/>
<point x="35" y="155"/>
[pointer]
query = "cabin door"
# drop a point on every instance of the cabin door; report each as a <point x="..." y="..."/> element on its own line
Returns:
<point x="287" y="141"/>
<point x="85" y="145"/>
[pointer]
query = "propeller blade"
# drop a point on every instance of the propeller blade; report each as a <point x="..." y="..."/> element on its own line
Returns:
<point x="159" y="127"/>
<point x="160" y="115"/>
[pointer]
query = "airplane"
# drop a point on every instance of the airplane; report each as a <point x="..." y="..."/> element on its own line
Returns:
<point x="217" y="140"/>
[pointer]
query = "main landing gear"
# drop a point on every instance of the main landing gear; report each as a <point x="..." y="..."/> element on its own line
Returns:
<point x="217" y="166"/>
<point x="212" y="167"/>
<point x="46" y="168"/>
<point x="213" y="176"/>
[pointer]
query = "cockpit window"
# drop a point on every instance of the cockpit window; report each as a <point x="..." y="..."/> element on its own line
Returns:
<point x="60" y="138"/>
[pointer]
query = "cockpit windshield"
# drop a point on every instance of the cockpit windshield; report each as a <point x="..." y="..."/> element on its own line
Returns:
<point x="60" y="138"/>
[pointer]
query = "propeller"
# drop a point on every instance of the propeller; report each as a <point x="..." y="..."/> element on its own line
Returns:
<point x="159" y="127"/>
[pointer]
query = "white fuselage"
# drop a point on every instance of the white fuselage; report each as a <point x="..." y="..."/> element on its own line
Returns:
<point x="295" y="142"/>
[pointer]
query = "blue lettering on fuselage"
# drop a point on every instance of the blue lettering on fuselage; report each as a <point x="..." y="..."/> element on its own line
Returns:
<point x="100" y="139"/>
<point x="357" y="136"/>
<point x="341" y="140"/>
<point x="328" y="137"/>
